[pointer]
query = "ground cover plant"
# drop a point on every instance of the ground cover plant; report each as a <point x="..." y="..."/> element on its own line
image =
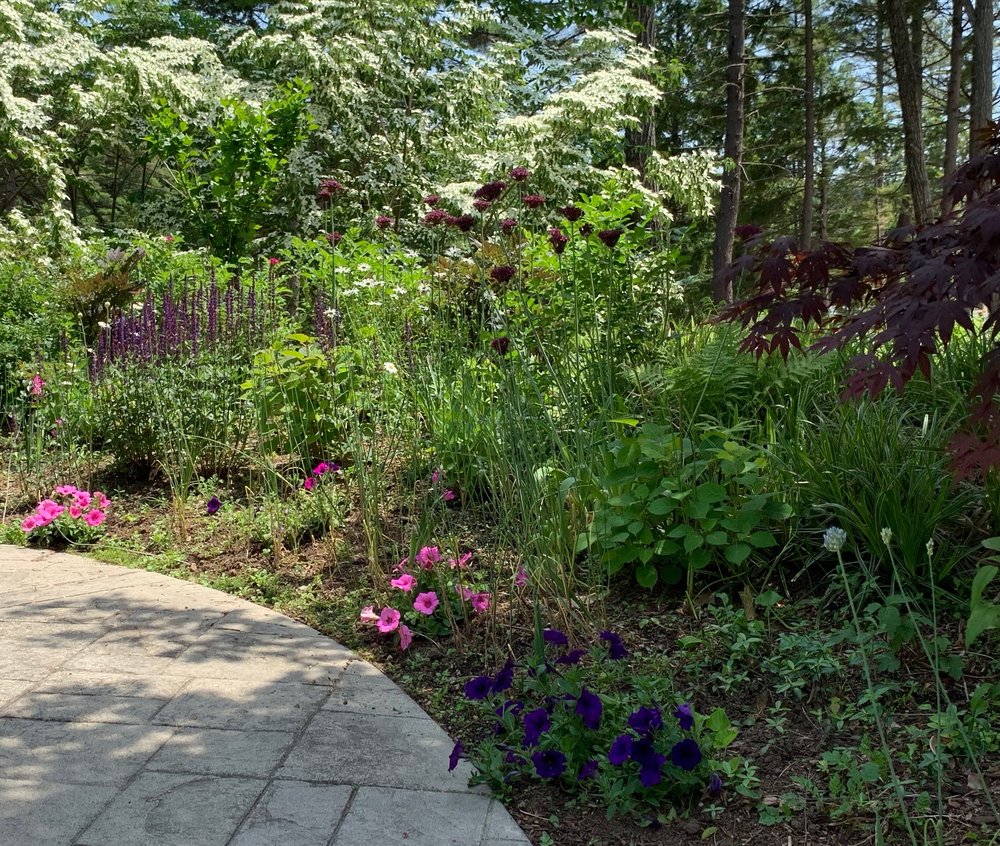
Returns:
<point x="438" y="372"/>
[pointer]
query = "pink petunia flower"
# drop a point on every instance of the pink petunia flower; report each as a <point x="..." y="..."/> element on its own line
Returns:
<point x="480" y="602"/>
<point x="101" y="500"/>
<point x="309" y="483"/>
<point x="75" y="511"/>
<point x="405" y="583"/>
<point x="49" y="509"/>
<point x="464" y="592"/>
<point x="428" y="556"/>
<point x="273" y="261"/>
<point x="66" y="490"/>
<point x="321" y="468"/>
<point x="368" y="615"/>
<point x="425" y="603"/>
<point x="29" y="523"/>
<point x="94" y="517"/>
<point x="463" y="561"/>
<point x="405" y="638"/>
<point x="448" y="495"/>
<point x="388" y="620"/>
<point x="435" y="476"/>
<point x="81" y="498"/>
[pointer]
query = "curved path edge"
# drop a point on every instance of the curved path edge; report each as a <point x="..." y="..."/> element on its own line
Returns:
<point x="138" y="709"/>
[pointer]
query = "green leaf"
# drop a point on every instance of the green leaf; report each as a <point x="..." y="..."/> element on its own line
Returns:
<point x="870" y="772"/>
<point x="717" y="538"/>
<point x="710" y="492"/>
<point x="699" y="559"/>
<point x="737" y="553"/>
<point x="992" y="543"/>
<point x="983" y="614"/>
<point x="692" y="542"/>
<point x="646" y="575"/>
<point x="763" y="540"/>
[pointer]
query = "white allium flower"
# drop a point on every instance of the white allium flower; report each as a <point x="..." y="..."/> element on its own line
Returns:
<point x="886" y="534"/>
<point x="930" y="548"/>
<point x="834" y="539"/>
<point x="391" y="368"/>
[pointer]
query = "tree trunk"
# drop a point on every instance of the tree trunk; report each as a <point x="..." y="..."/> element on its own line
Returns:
<point x="953" y="106"/>
<point x="640" y="141"/>
<point x="908" y="83"/>
<point x="729" y="200"/>
<point x="981" y="101"/>
<point x="879" y="109"/>
<point x="805" y="233"/>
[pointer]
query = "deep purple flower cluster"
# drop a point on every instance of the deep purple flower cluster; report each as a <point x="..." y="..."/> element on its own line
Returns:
<point x="519" y="174"/>
<point x="464" y="222"/>
<point x="558" y="240"/>
<point x="571" y="213"/>
<point x="326" y="191"/>
<point x="502" y="273"/>
<point x="610" y="237"/>
<point x="490" y="191"/>
<point x="533" y="201"/>
<point x="508" y="225"/>
<point x="646" y="721"/>
<point x="435" y="216"/>
<point x="383" y="221"/>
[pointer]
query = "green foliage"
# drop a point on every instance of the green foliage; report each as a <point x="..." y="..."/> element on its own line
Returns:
<point x="983" y="614"/>
<point x="232" y="174"/>
<point x="671" y="504"/>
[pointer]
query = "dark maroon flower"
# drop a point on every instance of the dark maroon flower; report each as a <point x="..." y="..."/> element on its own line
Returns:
<point x="501" y="345"/>
<point x="549" y="764"/>
<point x="327" y="188"/>
<point x="685" y="754"/>
<point x="435" y="216"/>
<point x="746" y="231"/>
<point x="610" y="237"/>
<point x="502" y="273"/>
<point x="464" y="222"/>
<point x="490" y="191"/>
<point x="334" y="237"/>
<point x="533" y="201"/>
<point x="519" y="174"/>
<point x="480" y="205"/>
<point x="558" y="240"/>
<point x="571" y="213"/>
<point x="457" y="753"/>
<point x="508" y="225"/>
<point x="383" y="221"/>
<point x="432" y="200"/>
<point x="213" y="505"/>
<point x="586" y="229"/>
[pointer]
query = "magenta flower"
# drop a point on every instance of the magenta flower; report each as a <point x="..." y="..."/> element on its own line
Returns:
<point x="368" y="615"/>
<point x="30" y="523"/>
<point x="94" y="517"/>
<point x="519" y="174"/>
<point x="102" y="501"/>
<point x="81" y="498"/>
<point x="321" y="468"/>
<point x="521" y="577"/>
<point x="75" y="512"/>
<point x="428" y="556"/>
<point x="66" y="490"/>
<point x="480" y="602"/>
<point x="425" y="603"/>
<point x="448" y="495"/>
<point x="405" y="638"/>
<point x="309" y="483"/>
<point x="37" y="385"/>
<point x="273" y="261"/>
<point x="405" y="583"/>
<point x="462" y="562"/>
<point x="533" y="201"/>
<point x="388" y="620"/>
<point x="213" y="505"/>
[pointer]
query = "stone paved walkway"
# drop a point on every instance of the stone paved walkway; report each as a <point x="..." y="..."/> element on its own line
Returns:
<point x="137" y="709"/>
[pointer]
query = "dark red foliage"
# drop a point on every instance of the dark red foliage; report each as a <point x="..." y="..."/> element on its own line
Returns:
<point x="900" y="299"/>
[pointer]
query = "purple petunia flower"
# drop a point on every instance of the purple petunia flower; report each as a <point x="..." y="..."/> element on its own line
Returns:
<point x="504" y="678"/>
<point x="616" y="649"/>
<point x="556" y="637"/>
<point x="685" y="754"/>
<point x="587" y="770"/>
<point x="549" y="763"/>
<point x="509" y="707"/>
<point x="685" y="716"/>
<point x="456" y="755"/>
<point x="535" y="723"/>
<point x="589" y="708"/>
<point x="649" y="760"/>
<point x="646" y="720"/>
<point x="571" y="657"/>
<point x="715" y="784"/>
<point x="478" y="688"/>
<point x="213" y="505"/>
<point x="621" y="749"/>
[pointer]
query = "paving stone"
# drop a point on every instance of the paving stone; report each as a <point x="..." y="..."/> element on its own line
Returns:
<point x="501" y="828"/>
<point x="363" y="749"/>
<point x="12" y="688"/>
<point x="112" y="684"/>
<point x="170" y="809"/>
<point x="364" y="690"/>
<point x="36" y="813"/>
<point x="76" y="753"/>
<point x="220" y="752"/>
<point x="229" y="704"/>
<point x="92" y="708"/>
<point x="414" y="818"/>
<point x="294" y="813"/>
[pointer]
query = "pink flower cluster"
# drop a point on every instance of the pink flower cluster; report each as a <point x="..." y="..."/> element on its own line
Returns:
<point x="68" y="503"/>
<point x="319" y="471"/>
<point x="426" y="602"/>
